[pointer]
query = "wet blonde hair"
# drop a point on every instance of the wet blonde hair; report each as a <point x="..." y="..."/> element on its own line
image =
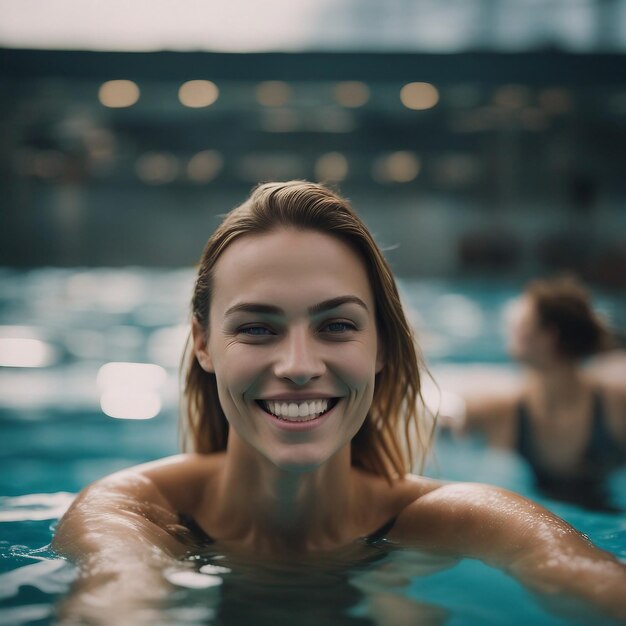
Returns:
<point x="392" y="437"/>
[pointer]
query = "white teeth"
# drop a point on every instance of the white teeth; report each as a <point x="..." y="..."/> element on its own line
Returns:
<point x="296" y="411"/>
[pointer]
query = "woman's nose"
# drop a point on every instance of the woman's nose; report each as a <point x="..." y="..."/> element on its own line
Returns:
<point x="298" y="359"/>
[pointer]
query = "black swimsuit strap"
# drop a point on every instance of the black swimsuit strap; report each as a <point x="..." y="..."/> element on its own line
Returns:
<point x="201" y="536"/>
<point x="195" y="529"/>
<point x="381" y="533"/>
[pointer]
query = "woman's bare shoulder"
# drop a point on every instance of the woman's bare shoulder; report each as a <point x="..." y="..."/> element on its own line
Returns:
<point x="176" y="482"/>
<point x="409" y="489"/>
<point x="609" y="370"/>
<point x="182" y="479"/>
<point x="614" y="400"/>
<point x="467" y="519"/>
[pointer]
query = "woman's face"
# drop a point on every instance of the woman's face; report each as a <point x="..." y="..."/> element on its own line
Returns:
<point x="293" y="344"/>
<point x="527" y="340"/>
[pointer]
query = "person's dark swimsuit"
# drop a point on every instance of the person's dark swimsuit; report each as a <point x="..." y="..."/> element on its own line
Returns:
<point x="587" y="487"/>
<point x="268" y="593"/>
<point x="203" y="539"/>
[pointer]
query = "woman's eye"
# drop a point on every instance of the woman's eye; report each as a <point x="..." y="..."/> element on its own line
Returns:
<point x="339" y="327"/>
<point x="255" y="331"/>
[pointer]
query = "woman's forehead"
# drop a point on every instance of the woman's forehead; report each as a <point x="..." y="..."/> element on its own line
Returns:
<point x="289" y="264"/>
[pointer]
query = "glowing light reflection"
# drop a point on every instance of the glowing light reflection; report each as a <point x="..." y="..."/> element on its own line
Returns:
<point x="131" y="390"/>
<point x="197" y="94"/>
<point x="26" y="352"/>
<point x="273" y="93"/>
<point x="134" y="375"/>
<point x="130" y="405"/>
<point x="419" y="96"/>
<point x="118" y="94"/>
<point x="204" y="166"/>
<point x="352" y="94"/>
<point x="398" y="167"/>
<point x="157" y="168"/>
<point x="331" y="167"/>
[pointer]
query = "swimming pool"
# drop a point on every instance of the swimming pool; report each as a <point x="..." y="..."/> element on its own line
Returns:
<point x="66" y="420"/>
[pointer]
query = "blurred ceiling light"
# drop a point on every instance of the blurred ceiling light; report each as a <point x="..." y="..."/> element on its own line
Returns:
<point x="419" y="96"/>
<point x="157" y="168"/>
<point x="131" y="406"/>
<point x="137" y="376"/>
<point x="511" y="96"/>
<point x="280" y="121"/>
<point x="197" y="94"/>
<point x="398" y="167"/>
<point x="26" y="352"/>
<point x="331" y="167"/>
<point x="204" y="166"/>
<point x="118" y="94"/>
<point x="556" y="100"/>
<point x="352" y="93"/>
<point x="273" y="93"/>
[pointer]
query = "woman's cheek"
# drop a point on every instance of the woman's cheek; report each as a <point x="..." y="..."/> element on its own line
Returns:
<point x="357" y="367"/>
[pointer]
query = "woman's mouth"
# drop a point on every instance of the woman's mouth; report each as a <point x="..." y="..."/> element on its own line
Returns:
<point x="297" y="412"/>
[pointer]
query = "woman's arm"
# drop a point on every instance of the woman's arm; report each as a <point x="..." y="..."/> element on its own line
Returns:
<point x="122" y="534"/>
<point x="521" y="537"/>
<point x="489" y="414"/>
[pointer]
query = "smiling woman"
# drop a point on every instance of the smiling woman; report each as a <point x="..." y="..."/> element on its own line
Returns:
<point x="301" y="245"/>
<point x="302" y="388"/>
<point x="311" y="348"/>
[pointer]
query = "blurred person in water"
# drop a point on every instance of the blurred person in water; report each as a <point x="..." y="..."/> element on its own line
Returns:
<point x="566" y="420"/>
<point x="301" y="388"/>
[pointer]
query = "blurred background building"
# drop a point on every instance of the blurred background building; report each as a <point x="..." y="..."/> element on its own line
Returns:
<point x="483" y="141"/>
<point x="476" y="137"/>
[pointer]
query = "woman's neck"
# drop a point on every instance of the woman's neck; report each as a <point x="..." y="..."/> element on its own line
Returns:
<point x="561" y="383"/>
<point x="265" y="506"/>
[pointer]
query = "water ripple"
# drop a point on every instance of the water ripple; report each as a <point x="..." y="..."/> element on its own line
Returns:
<point x="18" y="615"/>
<point x="49" y="576"/>
<point x="35" y="506"/>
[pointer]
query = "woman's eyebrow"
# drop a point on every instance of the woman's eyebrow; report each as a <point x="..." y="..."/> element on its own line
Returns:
<point x="316" y="309"/>
<point x="334" y="303"/>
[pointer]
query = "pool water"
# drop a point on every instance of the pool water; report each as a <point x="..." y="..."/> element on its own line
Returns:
<point x="66" y="421"/>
